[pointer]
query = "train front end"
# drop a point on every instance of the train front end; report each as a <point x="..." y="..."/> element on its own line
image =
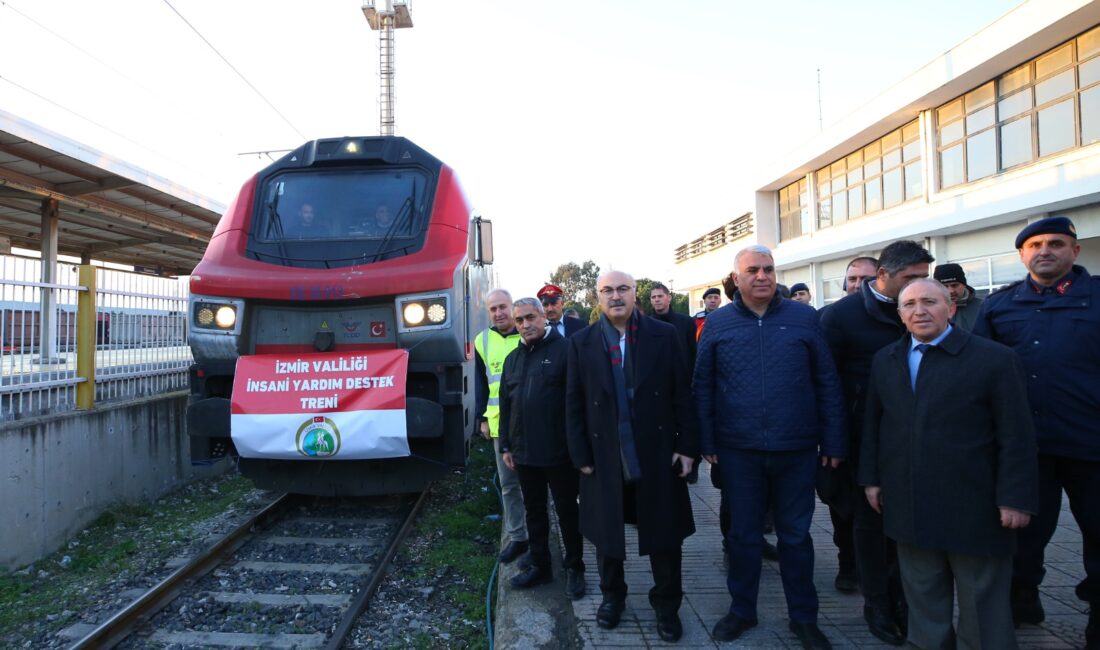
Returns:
<point x="332" y="319"/>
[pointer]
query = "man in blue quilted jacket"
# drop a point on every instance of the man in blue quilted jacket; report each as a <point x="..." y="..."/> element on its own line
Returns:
<point x="754" y="354"/>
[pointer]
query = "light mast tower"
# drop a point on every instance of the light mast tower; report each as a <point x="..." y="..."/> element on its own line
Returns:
<point x="394" y="14"/>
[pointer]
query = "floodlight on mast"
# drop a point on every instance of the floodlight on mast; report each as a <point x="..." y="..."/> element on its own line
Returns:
<point x="394" y="14"/>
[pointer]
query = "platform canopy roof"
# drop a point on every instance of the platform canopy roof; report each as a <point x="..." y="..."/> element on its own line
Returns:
<point x="109" y="210"/>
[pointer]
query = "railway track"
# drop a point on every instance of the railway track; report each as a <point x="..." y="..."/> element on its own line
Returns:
<point x="295" y="575"/>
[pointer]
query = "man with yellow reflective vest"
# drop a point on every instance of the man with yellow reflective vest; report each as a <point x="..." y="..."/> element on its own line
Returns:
<point x="493" y="346"/>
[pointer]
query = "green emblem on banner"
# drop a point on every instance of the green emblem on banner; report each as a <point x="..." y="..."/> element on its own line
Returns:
<point x="318" y="437"/>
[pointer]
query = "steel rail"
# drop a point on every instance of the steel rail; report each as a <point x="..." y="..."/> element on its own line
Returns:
<point x="362" y="599"/>
<point x="139" y="612"/>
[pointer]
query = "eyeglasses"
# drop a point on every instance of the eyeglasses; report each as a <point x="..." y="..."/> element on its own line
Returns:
<point x="550" y="300"/>
<point x="622" y="289"/>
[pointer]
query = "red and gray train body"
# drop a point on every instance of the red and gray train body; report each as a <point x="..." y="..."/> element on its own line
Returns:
<point x="343" y="253"/>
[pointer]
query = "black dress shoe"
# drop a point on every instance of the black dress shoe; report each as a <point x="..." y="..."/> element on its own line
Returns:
<point x="846" y="582"/>
<point x="532" y="577"/>
<point x="770" y="551"/>
<point x="669" y="627"/>
<point x="1026" y="606"/>
<point x="609" y="613"/>
<point x="730" y="627"/>
<point x="881" y="623"/>
<point x="574" y="584"/>
<point x="512" y="551"/>
<point x="901" y="616"/>
<point x="811" y="636"/>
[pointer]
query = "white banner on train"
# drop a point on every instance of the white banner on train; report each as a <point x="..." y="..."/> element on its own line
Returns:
<point x="340" y="406"/>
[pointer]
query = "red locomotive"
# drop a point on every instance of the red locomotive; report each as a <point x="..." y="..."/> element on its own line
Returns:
<point x="332" y="318"/>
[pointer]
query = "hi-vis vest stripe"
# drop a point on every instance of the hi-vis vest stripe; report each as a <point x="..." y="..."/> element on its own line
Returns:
<point x="494" y="348"/>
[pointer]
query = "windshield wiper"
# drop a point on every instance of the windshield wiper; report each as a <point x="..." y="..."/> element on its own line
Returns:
<point x="405" y="213"/>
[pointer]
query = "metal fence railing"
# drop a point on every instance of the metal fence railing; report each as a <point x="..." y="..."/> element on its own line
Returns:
<point x="140" y="337"/>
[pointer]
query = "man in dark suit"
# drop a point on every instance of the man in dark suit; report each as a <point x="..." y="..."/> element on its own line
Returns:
<point x="553" y="303"/>
<point x="857" y="326"/>
<point x="631" y="433"/>
<point x="948" y="458"/>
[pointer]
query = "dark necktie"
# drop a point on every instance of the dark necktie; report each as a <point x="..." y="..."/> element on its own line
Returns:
<point x="922" y="348"/>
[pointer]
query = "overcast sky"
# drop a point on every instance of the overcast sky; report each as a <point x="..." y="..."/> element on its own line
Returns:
<point x="611" y="130"/>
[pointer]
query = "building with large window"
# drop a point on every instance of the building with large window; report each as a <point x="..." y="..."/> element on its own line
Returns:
<point x="1001" y="130"/>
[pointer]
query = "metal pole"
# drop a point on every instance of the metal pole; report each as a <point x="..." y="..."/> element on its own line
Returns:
<point x="385" y="71"/>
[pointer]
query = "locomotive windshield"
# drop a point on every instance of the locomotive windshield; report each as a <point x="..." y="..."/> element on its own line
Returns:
<point x="326" y="219"/>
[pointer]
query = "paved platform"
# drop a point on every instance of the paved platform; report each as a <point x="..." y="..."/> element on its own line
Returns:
<point x="841" y="615"/>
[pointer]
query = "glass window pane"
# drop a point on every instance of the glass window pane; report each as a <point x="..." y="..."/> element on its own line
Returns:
<point x="855" y="176"/>
<point x="950" y="112"/>
<point x="1016" y="143"/>
<point x="872" y="150"/>
<point x="824" y="188"/>
<point x="1088" y="44"/>
<point x="824" y="213"/>
<point x="892" y="193"/>
<point x="1056" y="128"/>
<point x="1053" y="62"/>
<point x="838" y="168"/>
<point x="1014" y="105"/>
<point x="891" y="140"/>
<point x="1018" y="78"/>
<point x="951" y="132"/>
<point x="855" y="202"/>
<point x="840" y="208"/>
<point x="1007" y="268"/>
<point x="891" y="159"/>
<point x="951" y="166"/>
<point x="981" y="155"/>
<point x="980" y="120"/>
<point x="914" y="181"/>
<point x="1053" y="88"/>
<point x="979" y="97"/>
<point x="1090" y="115"/>
<point x="855" y="160"/>
<point x="911" y="151"/>
<point x="872" y="168"/>
<point x="1089" y="72"/>
<point x="910" y="132"/>
<point x="977" y="272"/>
<point x="873" y="192"/>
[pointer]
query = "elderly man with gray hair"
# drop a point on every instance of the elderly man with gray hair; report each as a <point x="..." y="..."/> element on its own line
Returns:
<point x="754" y="354"/>
<point x="948" y="457"/>
<point x="532" y="442"/>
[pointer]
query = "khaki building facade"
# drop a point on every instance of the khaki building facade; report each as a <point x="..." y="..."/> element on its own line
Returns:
<point x="999" y="131"/>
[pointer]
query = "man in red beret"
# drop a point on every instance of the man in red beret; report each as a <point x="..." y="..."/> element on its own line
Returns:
<point x="553" y="302"/>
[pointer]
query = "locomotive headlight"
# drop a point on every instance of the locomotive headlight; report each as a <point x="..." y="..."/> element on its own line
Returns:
<point x="204" y="316"/>
<point x="423" y="312"/>
<point x="214" y="314"/>
<point x="414" y="313"/>
<point x="226" y="317"/>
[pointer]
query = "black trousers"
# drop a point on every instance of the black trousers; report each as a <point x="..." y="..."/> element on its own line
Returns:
<point x="876" y="557"/>
<point x="1081" y="481"/>
<point x="843" y="539"/>
<point x="667" y="592"/>
<point x="564" y="484"/>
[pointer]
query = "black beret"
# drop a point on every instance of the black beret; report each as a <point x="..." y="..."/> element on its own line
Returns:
<point x="799" y="286"/>
<point x="713" y="291"/>
<point x="1048" y="226"/>
<point x="950" y="273"/>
